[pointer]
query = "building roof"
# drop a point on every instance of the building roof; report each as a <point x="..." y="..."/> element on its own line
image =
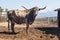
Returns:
<point x="58" y="9"/>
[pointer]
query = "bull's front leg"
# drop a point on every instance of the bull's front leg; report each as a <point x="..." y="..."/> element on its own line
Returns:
<point x="27" y="26"/>
<point x="12" y="26"/>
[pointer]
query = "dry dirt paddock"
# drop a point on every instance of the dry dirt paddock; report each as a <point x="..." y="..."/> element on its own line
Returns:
<point x="37" y="31"/>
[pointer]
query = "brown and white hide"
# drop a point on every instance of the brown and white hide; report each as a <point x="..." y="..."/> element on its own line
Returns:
<point x="22" y="13"/>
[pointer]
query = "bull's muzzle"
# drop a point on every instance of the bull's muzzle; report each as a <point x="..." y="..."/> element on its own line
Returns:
<point x="35" y="14"/>
<point x="39" y="9"/>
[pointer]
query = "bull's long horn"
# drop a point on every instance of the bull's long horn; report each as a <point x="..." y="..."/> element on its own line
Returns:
<point x="24" y="7"/>
<point x="43" y="8"/>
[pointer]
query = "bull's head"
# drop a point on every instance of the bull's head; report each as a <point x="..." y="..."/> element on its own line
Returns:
<point x="35" y="9"/>
<point x="38" y="9"/>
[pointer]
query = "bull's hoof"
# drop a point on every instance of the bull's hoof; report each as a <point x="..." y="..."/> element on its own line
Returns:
<point x="8" y="29"/>
<point x="13" y="32"/>
<point x="27" y="32"/>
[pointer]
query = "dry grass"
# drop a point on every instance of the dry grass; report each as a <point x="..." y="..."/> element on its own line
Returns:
<point x="35" y="33"/>
<point x="35" y="24"/>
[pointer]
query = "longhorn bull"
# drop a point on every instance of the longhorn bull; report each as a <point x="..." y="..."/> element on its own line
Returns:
<point x="22" y="16"/>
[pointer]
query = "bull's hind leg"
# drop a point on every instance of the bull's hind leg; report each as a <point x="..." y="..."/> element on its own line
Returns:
<point x="8" y="25"/>
<point x="27" y="26"/>
<point x="12" y="26"/>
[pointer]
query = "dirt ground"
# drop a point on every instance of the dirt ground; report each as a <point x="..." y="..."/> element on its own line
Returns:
<point x="36" y="32"/>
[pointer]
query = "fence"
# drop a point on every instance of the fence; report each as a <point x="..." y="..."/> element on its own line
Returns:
<point x="46" y="19"/>
<point x="3" y="18"/>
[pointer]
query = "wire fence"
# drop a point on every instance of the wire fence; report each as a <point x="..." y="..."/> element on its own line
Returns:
<point x="3" y="18"/>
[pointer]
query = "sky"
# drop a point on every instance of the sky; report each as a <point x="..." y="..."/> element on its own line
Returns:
<point x="16" y="4"/>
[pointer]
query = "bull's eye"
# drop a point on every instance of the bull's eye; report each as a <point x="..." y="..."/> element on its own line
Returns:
<point x="39" y="9"/>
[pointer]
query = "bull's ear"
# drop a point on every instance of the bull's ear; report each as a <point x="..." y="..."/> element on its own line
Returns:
<point x="55" y="10"/>
<point x="43" y="8"/>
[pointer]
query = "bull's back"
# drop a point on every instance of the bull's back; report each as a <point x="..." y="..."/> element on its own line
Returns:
<point x="21" y="12"/>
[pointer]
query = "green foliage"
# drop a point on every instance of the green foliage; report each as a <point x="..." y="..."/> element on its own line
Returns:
<point x="1" y="9"/>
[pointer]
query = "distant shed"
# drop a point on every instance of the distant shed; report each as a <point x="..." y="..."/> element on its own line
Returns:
<point x="58" y="10"/>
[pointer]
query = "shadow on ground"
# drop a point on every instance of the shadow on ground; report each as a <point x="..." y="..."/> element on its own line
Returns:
<point x="9" y="33"/>
<point x="53" y="31"/>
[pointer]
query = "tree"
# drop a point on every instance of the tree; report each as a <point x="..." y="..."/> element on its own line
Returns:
<point x="1" y="10"/>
